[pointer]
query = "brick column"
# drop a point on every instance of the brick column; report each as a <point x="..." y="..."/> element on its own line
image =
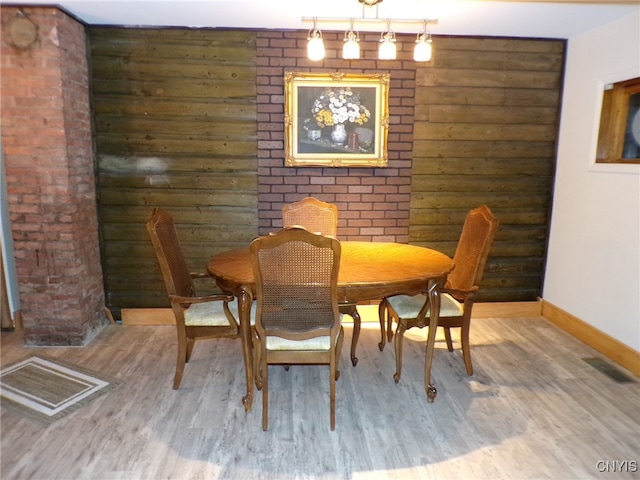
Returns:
<point x="49" y="165"/>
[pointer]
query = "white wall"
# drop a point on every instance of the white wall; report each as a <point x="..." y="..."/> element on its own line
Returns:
<point x="593" y="264"/>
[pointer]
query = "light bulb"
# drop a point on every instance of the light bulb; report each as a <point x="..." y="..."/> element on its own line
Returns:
<point x="315" y="46"/>
<point x="423" y="50"/>
<point x="351" y="47"/>
<point x="387" y="49"/>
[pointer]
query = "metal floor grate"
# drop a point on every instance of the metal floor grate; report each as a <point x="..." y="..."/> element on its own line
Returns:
<point x="609" y="370"/>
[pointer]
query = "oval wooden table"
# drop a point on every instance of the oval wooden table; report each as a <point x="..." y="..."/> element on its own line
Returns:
<point x="368" y="271"/>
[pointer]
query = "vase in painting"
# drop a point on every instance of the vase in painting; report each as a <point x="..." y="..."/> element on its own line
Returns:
<point x="339" y="134"/>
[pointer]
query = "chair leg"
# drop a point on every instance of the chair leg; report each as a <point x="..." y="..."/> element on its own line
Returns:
<point x="265" y="394"/>
<point x="398" y="344"/>
<point x="258" y="377"/>
<point x="390" y="324"/>
<point x="466" y="349"/>
<point x="382" y="316"/>
<point x="190" y="343"/>
<point x="256" y="346"/>
<point x="333" y="375"/>
<point x="339" y="341"/>
<point x="447" y="337"/>
<point x="181" y="359"/>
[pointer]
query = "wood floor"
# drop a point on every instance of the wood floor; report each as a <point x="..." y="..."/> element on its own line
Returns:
<point x="533" y="409"/>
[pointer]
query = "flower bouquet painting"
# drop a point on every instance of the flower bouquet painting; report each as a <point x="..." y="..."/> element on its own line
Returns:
<point x="336" y="119"/>
<point x="340" y="105"/>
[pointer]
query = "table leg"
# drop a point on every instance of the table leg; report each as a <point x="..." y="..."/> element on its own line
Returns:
<point x="244" y="303"/>
<point x="350" y="309"/>
<point x="434" y="307"/>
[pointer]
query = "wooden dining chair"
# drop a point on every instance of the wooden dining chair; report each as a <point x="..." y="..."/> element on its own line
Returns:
<point x="313" y="214"/>
<point x="322" y="217"/>
<point x="297" y="319"/>
<point x="457" y="298"/>
<point x="196" y="316"/>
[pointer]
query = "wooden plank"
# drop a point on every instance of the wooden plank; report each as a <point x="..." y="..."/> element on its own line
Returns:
<point x="506" y="309"/>
<point x="219" y="181"/>
<point x="507" y="233"/>
<point x="492" y="78"/>
<point x="499" y="114"/>
<point x="196" y="126"/>
<point x="190" y="214"/>
<point x="169" y="197"/>
<point x="203" y="252"/>
<point x="455" y="94"/>
<point x="487" y="59"/>
<point x="187" y="233"/>
<point x="484" y="44"/>
<point x="168" y="144"/>
<point x="484" y="131"/>
<point x="112" y="40"/>
<point x="111" y="165"/>
<point x="163" y="88"/>
<point x="479" y="148"/>
<point x="137" y="108"/>
<point x="132" y="68"/>
<point x="484" y="166"/>
<point x="470" y="183"/>
<point x="495" y="200"/>
<point x="147" y="316"/>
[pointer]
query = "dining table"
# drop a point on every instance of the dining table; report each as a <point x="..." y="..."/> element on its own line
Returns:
<point x="369" y="271"/>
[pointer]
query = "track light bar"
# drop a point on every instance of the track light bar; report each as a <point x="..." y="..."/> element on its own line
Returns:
<point x="385" y="21"/>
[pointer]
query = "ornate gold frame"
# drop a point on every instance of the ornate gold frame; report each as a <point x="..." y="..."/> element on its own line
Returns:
<point x="368" y="148"/>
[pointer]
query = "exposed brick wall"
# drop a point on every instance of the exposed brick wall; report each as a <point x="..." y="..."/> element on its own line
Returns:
<point x="373" y="202"/>
<point x="49" y="166"/>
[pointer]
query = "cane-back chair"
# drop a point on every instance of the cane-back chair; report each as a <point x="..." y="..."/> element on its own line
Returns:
<point x="197" y="317"/>
<point x="297" y="318"/>
<point x="321" y="217"/>
<point x="456" y="299"/>
<point x="313" y="214"/>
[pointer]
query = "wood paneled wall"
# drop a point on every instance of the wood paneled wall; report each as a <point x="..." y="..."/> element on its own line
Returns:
<point x="485" y="130"/>
<point x="181" y="123"/>
<point x="175" y="127"/>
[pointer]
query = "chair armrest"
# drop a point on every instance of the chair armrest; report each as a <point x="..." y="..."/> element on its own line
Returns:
<point x="465" y="296"/>
<point x="460" y="293"/>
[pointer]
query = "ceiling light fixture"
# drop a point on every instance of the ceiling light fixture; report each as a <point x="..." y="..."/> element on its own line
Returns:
<point x="387" y="49"/>
<point x="351" y="47"/>
<point x="423" y="50"/>
<point x="315" y="44"/>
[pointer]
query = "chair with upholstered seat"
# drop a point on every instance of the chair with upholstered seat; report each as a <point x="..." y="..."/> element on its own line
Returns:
<point x="321" y="217"/>
<point x="313" y="214"/>
<point x="297" y="319"/>
<point x="197" y="317"/>
<point x="457" y="298"/>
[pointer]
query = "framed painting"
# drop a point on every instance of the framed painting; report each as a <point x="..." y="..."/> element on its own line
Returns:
<point x="336" y="119"/>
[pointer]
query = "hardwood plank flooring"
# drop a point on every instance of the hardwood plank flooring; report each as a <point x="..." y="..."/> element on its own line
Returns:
<point x="533" y="409"/>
